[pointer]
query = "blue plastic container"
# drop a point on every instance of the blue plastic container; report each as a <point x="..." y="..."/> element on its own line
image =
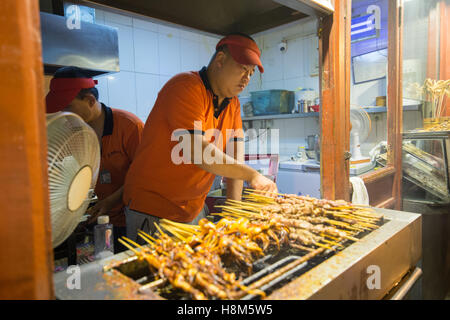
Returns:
<point x="272" y="102"/>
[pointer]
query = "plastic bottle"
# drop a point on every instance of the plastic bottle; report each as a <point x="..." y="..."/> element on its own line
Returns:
<point x="103" y="238"/>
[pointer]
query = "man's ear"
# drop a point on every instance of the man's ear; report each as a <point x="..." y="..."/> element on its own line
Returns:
<point x="90" y="99"/>
<point x="220" y="58"/>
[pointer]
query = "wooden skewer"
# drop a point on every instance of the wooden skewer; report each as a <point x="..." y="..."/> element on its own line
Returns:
<point x="259" y="196"/>
<point x="349" y="216"/>
<point x="133" y="243"/>
<point x="344" y="225"/>
<point x="144" y="236"/>
<point x="246" y="203"/>
<point x="231" y="214"/>
<point x="148" y="236"/>
<point x="330" y="237"/>
<point x="174" y="232"/>
<point x="185" y="233"/>
<point x="324" y="246"/>
<point x="298" y="246"/>
<point x="250" y="208"/>
<point x="179" y="224"/>
<point x="152" y="284"/>
<point x="129" y="247"/>
<point x="333" y="243"/>
<point x="352" y="238"/>
<point x="368" y="226"/>
<point x="237" y="210"/>
<point x="365" y="214"/>
<point x="260" y="191"/>
<point x="159" y="229"/>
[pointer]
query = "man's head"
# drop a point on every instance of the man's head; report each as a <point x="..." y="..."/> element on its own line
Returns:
<point x="234" y="63"/>
<point x="73" y="90"/>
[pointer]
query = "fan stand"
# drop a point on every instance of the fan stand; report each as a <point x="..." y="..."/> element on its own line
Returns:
<point x="358" y="163"/>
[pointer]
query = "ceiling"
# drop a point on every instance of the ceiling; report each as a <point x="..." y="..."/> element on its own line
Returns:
<point x="214" y="16"/>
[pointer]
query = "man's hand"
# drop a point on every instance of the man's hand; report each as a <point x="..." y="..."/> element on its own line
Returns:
<point x="260" y="182"/>
<point x="104" y="206"/>
<point x="100" y="208"/>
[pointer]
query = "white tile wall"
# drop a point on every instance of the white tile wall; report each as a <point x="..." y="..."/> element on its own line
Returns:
<point x="190" y="55"/>
<point x="99" y="16"/>
<point x="276" y="84"/>
<point x="126" y="45"/>
<point x="122" y="91"/>
<point x="117" y="18"/>
<point x="144" y="24"/>
<point x="294" y="58"/>
<point x="146" y="51"/>
<point x="273" y="64"/>
<point x="289" y="70"/>
<point x="102" y="87"/>
<point x="150" y="53"/>
<point x="169" y="54"/>
<point x="162" y="81"/>
<point x="189" y="35"/>
<point x="147" y="87"/>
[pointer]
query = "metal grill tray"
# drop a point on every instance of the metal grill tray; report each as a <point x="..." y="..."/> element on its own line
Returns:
<point x="395" y="247"/>
<point x="138" y="270"/>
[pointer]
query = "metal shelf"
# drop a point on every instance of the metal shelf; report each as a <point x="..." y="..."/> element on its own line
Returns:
<point x="316" y="114"/>
<point x="384" y="109"/>
<point x="282" y="116"/>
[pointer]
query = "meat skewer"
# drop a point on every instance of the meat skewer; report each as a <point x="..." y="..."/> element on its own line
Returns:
<point x="191" y="257"/>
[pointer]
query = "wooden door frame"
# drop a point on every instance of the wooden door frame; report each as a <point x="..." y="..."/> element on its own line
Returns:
<point x="377" y="182"/>
<point x="334" y="55"/>
<point x="26" y="267"/>
<point x="334" y="64"/>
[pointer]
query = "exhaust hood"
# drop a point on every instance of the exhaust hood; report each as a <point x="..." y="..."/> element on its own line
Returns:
<point x="91" y="46"/>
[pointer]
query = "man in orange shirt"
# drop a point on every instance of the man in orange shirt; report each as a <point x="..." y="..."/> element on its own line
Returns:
<point x="119" y="133"/>
<point x="195" y="114"/>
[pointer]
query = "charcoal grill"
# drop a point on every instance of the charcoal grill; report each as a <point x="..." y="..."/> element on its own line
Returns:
<point x="286" y="274"/>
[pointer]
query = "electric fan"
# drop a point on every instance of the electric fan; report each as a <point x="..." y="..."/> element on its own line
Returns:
<point x="73" y="164"/>
<point x="361" y="126"/>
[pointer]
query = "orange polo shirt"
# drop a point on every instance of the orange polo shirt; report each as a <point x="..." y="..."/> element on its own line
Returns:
<point x="121" y="135"/>
<point x="154" y="183"/>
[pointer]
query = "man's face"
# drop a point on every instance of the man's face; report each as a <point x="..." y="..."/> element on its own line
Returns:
<point x="234" y="77"/>
<point x="80" y="107"/>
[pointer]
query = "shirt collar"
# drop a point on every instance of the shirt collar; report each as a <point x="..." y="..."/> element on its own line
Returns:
<point x="109" y="121"/>
<point x="217" y="109"/>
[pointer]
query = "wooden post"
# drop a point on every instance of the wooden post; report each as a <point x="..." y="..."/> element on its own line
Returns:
<point x="25" y="230"/>
<point x="395" y="97"/>
<point x="334" y="55"/>
<point x="444" y="60"/>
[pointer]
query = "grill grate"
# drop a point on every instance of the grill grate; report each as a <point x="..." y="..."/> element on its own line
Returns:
<point x="271" y="272"/>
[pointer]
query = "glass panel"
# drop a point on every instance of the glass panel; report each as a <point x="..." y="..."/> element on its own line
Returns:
<point x="423" y="92"/>
<point x="368" y="90"/>
<point x="280" y="108"/>
<point x="425" y="168"/>
<point x="424" y="165"/>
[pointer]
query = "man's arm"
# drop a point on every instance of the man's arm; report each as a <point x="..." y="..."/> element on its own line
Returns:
<point x="235" y="186"/>
<point x="104" y="206"/>
<point x="228" y="167"/>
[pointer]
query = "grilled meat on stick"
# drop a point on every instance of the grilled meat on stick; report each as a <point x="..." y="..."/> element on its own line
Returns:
<point x="238" y="238"/>
<point x="199" y="273"/>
